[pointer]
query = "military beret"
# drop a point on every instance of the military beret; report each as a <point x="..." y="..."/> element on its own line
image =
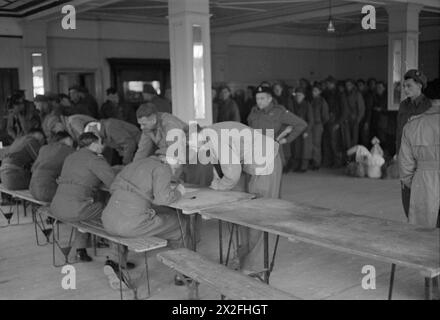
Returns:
<point x="148" y="88"/>
<point x="263" y="89"/>
<point x="146" y="110"/>
<point x="432" y="91"/>
<point x="417" y="76"/>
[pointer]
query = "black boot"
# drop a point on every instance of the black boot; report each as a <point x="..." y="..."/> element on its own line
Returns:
<point x="82" y="255"/>
<point x="114" y="265"/>
<point x="179" y="281"/>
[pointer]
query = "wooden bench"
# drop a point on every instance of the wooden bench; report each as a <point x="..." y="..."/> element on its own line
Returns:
<point x="388" y="241"/>
<point x="95" y="228"/>
<point x="227" y="282"/>
<point x="26" y="197"/>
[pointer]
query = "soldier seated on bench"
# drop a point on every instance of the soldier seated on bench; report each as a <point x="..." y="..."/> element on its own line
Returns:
<point x="15" y="171"/>
<point x="77" y="197"/>
<point x="47" y="167"/>
<point x="135" y="208"/>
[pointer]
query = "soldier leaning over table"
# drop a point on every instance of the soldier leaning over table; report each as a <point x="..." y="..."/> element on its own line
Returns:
<point x="261" y="180"/>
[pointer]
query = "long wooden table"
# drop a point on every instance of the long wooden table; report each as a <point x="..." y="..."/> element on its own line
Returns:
<point x="192" y="203"/>
<point x="384" y="240"/>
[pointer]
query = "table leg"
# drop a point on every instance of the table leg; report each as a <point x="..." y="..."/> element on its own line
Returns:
<point x="266" y="257"/>
<point x="147" y="274"/>
<point x="428" y="288"/>
<point x="193" y="231"/>
<point x="182" y="233"/>
<point x="220" y="247"/>
<point x="220" y="241"/>
<point x="390" y="292"/>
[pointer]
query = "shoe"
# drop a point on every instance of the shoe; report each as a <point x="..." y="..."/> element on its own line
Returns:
<point x="129" y="266"/>
<point x="113" y="278"/>
<point x="102" y="244"/>
<point x="82" y="255"/>
<point x="114" y="265"/>
<point x="179" y="281"/>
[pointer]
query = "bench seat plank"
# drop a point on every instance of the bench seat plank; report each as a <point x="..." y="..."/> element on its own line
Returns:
<point x="232" y="284"/>
<point x="22" y="194"/>
<point x="141" y="244"/>
<point x="384" y="240"/>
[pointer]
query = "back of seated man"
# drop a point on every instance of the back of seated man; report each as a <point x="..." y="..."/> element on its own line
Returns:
<point x="77" y="195"/>
<point x="47" y="167"/>
<point x="135" y="208"/>
<point x="15" y="171"/>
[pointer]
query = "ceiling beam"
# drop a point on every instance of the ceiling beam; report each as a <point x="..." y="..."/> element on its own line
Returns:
<point x="294" y="17"/>
<point x="426" y="3"/>
<point x="80" y="6"/>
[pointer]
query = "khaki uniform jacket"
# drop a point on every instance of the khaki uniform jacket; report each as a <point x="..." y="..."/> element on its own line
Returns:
<point x="276" y="117"/>
<point x="22" y="153"/>
<point x="121" y="136"/>
<point x="135" y="189"/>
<point x="228" y="111"/>
<point x="47" y="168"/>
<point x="82" y="174"/>
<point x="19" y="124"/>
<point x="165" y="123"/>
<point x="240" y="154"/>
<point x="75" y="124"/>
<point x="419" y="166"/>
<point x="303" y="146"/>
<point x="356" y="105"/>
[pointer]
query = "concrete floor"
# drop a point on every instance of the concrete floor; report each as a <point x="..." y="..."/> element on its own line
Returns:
<point x="307" y="271"/>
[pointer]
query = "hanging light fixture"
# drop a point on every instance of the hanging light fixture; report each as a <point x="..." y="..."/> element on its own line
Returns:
<point x="331" y="26"/>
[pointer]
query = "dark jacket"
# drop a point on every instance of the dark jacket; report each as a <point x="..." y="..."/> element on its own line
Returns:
<point x="20" y="123"/>
<point x="23" y="152"/>
<point x="121" y="136"/>
<point x="228" y="111"/>
<point x="276" y="117"/>
<point x="46" y="170"/>
<point x="82" y="174"/>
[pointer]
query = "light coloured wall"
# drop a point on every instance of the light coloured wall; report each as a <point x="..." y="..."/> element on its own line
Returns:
<point x="251" y="57"/>
<point x="362" y="63"/>
<point x="249" y="65"/>
<point x="11" y="56"/>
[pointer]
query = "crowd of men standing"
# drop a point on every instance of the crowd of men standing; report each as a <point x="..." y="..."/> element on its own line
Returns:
<point x="339" y="115"/>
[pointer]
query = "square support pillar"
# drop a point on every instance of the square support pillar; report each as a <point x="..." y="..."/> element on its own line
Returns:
<point x="403" y="47"/>
<point x="35" y="43"/>
<point x="190" y="52"/>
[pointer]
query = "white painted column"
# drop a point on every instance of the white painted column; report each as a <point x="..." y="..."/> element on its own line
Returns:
<point x="34" y="41"/>
<point x="190" y="52"/>
<point x="403" y="47"/>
